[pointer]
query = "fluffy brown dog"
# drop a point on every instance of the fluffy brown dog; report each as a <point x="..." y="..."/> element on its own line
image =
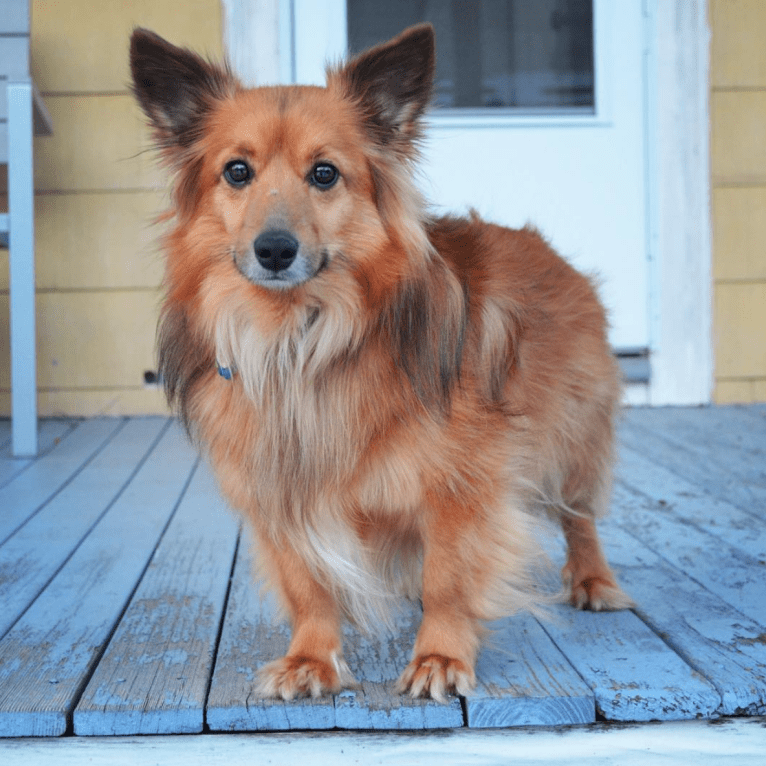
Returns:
<point x="388" y="397"/>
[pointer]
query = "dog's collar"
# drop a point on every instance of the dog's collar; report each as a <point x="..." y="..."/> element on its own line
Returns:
<point x="225" y="372"/>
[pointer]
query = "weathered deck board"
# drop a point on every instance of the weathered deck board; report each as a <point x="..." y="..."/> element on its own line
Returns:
<point x="726" y="570"/>
<point x="377" y="661"/>
<point x="33" y="555"/>
<point x="50" y="431"/>
<point x="153" y="677"/>
<point x="524" y="680"/>
<point x="704" y="468"/>
<point x="741" y="473"/>
<point x="46" y="656"/>
<point x="633" y="674"/>
<point x="250" y="638"/>
<point x="729" y="436"/>
<point x="667" y="492"/>
<point x="721" y="644"/>
<point x="21" y="497"/>
<point x="107" y="558"/>
<point x="49" y="434"/>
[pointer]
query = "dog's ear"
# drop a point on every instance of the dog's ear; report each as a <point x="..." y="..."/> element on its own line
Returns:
<point x="392" y="83"/>
<point x="174" y="86"/>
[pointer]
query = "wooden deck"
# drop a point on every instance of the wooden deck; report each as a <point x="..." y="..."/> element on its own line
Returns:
<point x="126" y="605"/>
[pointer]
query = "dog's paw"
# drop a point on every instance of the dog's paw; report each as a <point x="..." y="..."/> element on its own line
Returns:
<point x="294" y="676"/>
<point x="436" y="676"/>
<point x="599" y="594"/>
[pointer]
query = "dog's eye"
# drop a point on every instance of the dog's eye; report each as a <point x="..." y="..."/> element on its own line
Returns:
<point x="324" y="175"/>
<point x="237" y="172"/>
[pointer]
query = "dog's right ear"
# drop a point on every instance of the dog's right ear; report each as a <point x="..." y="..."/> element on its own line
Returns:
<point x="175" y="87"/>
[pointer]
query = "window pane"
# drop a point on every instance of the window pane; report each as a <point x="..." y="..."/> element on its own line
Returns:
<point x="524" y="54"/>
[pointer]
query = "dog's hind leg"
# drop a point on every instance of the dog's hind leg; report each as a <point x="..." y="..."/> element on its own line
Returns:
<point x="313" y="664"/>
<point x="587" y="576"/>
<point x="586" y="491"/>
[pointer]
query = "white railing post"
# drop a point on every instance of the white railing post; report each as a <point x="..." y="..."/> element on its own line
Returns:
<point x="22" y="269"/>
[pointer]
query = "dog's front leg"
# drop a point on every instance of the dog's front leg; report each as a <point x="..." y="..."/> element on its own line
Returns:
<point x="448" y="640"/>
<point x="314" y="663"/>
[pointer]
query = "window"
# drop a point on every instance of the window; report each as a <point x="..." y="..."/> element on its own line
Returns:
<point x="526" y="56"/>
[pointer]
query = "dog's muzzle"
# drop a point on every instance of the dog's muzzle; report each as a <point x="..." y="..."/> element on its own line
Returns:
<point x="278" y="261"/>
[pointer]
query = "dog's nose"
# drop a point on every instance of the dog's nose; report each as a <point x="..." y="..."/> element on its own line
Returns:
<point x="275" y="250"/>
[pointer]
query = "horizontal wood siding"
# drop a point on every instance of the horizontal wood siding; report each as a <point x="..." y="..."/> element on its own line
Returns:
<point x="91" y="257"/>
<point x="81" y="46"/>
<point x="738" y="114"/>
<point x="98" y="192"/>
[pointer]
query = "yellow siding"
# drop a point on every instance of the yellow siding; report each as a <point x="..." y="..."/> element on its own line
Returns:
<point x="739" y="151"/>
<point x="73" y="253"/>
<point x="737" y="46"/>
<point x="97" y="195"/>
<point x="733" y="391"/>
<point x="81" y="46"/>
<point x="97" y="268"/>
<point x="740" y="308"/>
<point x="99" y="339"/>
<point x="738" y="146"/>
<point x="739" y="233"/>
<point x="99" y="142"/>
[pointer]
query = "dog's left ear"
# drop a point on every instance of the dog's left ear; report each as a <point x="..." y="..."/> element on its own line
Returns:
<point x="392" y="84"/>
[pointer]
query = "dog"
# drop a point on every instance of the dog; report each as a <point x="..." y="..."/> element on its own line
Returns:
<point x="393" y="400"/>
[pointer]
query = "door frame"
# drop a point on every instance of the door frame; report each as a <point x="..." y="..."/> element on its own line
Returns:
<point x="677" y="120"/>
<point x="679" y="203"/>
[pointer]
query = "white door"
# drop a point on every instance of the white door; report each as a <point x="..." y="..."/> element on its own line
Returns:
<point x="561" y="148"/>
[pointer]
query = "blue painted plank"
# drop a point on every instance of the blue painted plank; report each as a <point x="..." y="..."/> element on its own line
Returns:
<point x="154" y="675"/>
<point x="376" y="661"/>
<point x="633" y="673"/>
<point x="724" y="569"/>
<point x="12" y="467"/>
<point x="669" y="494"/>
<point x="707" y="470"/>
<point x="49" y="653"/>
<point x="33" y="555"/>
<point x="721" y="644"/>
<point x="21" y="497"/>
<point x="524" y="680"/>
<point x="49" y="433"/>
<point x="251" y="637"/>
<point x="734" y="435"/>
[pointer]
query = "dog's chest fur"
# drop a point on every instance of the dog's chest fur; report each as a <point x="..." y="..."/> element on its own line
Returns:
<point x="322" y="446"/>
<point x="323" y="408"/>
